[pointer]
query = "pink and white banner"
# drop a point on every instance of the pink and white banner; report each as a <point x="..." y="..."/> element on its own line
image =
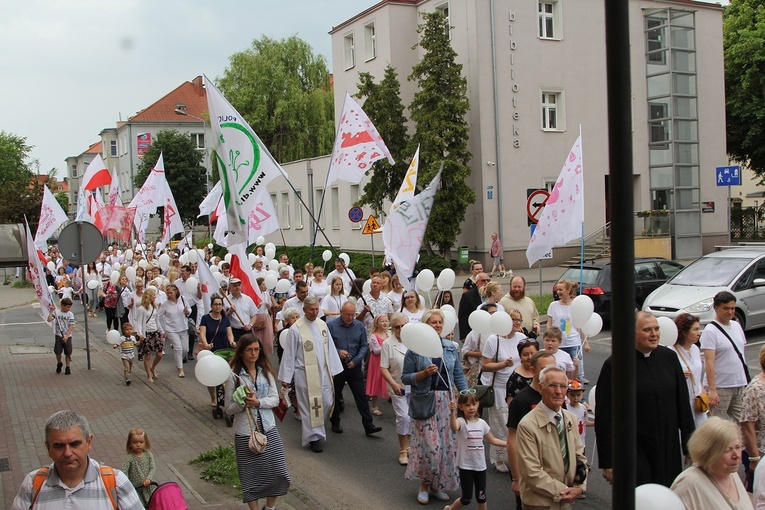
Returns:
<point x="37" y="275"/>
<point x="52" y="216"/>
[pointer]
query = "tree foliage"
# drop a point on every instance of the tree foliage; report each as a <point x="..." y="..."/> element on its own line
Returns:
<point x="386" y="111"/>
<point x="438" y="109"/>
<point x="183" y="170"/>
<point x="62" y="197"/>
<point x="744" y="43"/>
<point x="19" y="198"/>
<point x="14" y="155"/>
<point x="283" y="91"/>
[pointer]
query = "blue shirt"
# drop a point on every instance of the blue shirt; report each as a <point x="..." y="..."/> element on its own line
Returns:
<point x="351" y="338"/>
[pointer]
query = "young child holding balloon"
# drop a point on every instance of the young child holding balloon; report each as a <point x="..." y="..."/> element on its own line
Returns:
<point x="63" y="325"/>
<point x="127" y="343"/>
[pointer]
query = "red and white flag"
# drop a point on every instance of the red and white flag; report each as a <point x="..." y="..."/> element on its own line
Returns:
<point x="96" y="175"/>
<point x="357" y="146"/>
<point x="563" y="215"/>
<point x="261" y="221"/>
<point x="240" y="268"/>
<point x="52" y="216"/>
<point x="211" y="201"/>
<point x="115" y="221"/>
<point x="172" y="223"/>
<point x="209" y="285"/>
<point x="114" y="190"/>
<point x="407" y="189"/>
<point x="37" y="275"/>
<point x="151" y="196"/>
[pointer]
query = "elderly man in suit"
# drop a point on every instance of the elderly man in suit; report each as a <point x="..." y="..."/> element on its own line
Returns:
<point x="549" y="448"/>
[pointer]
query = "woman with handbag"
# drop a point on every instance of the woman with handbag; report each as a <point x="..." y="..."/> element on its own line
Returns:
<point x="251" y="394"/>
<point x="433" y="454"/>
<point x="215" y="333"/>
<point x="688" y="333"/>
<point x="499" y="360"/>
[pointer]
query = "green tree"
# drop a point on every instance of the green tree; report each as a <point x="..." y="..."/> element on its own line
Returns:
<point x="14" y="156"/>
<point x="19" y="198"/>
<point x="283" y="90"/>
<point x="386" y="111"/>
<point x="438" y="109"/>
<point x="183" y="170"/>
<point x="62" y="197"/>
<point x="744" y="46"/>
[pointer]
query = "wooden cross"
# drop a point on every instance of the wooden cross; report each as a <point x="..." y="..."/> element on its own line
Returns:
<point x="316" y="406"/>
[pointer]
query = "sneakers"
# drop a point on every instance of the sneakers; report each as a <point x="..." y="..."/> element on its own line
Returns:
<point x="501" y="467"/>
<point x="67" y="371"/>
<point x="440" y="495"/>
<point x="58" y="367"/>
<point x="128" y="381"/>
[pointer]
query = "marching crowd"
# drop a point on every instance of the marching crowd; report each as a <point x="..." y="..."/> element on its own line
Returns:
<point x="528" y="384"/>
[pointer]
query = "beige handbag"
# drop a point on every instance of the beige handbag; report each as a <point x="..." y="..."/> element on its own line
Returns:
<point x="258" y="440"/>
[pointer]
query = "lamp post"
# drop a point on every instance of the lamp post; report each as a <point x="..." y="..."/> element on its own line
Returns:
<point x="179" y="111"/>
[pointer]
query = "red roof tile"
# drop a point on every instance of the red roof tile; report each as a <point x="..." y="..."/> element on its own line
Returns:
<point x="94" y="149"/>
<point x="189" y="93"/>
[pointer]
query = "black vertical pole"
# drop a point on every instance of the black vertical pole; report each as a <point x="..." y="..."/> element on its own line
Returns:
<point x="83" y="263"/>
<point x="622" y="251"/>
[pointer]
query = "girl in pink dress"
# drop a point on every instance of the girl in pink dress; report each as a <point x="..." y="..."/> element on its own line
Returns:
<point x="376" y="386"/>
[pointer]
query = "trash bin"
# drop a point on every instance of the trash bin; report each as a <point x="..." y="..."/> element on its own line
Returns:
<point x="462" y="258"/>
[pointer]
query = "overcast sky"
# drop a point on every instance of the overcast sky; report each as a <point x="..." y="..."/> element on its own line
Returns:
<point x="72" y="68"/>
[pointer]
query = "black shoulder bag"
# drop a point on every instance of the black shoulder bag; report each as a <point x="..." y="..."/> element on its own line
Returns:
<point x="740" y="357"/>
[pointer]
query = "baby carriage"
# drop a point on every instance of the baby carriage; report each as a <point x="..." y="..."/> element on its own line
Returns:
<point x="220" y="391"/>
<point x="167" y="496"/>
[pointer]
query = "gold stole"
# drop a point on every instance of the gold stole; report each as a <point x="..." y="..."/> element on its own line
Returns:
<point x="313" y="378"/>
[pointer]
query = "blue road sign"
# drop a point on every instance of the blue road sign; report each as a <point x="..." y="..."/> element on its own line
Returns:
<point x="728" y="175"/>
<point x="355" y="214"/>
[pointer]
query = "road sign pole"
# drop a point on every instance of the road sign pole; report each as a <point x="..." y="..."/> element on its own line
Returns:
<point x="372" y="237"/>
<point x="82" y="267"/>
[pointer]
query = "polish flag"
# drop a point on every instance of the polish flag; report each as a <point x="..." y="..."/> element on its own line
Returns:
<point x="240" y="268"/>
<point x="96" y="175"/>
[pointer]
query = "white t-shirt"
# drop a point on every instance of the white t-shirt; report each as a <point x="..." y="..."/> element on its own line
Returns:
<point x="395" y="298"/>
<point x="729" y="372"/>
<point x="561" y="319"/>
<point x="581" y="415"/>
<point x="508" y="348"/>
<point x="318" y="290"/>
<point x="415" y="316"/>
<point x="563" y="360"/>
<point x="470" y="450"/>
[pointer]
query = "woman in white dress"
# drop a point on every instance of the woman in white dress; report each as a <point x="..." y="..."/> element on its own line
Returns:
<point x="318" y="286"/>
<point x="688" y="333"/>
<point x="333" y="302"/>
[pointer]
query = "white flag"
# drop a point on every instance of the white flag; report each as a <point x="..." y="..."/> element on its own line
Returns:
<point x="406" y="191"/>
<point x="563" y="215"/>
<point x="84" y="199"/>
<point x="357" y="146"/>
<point x="172" y="223"/>
<point x="37" y="274"/>
<point x="210" y="202"/>
<point x="261" y="221"/>
<point x="114" y="189"/>
<point x="52" y="216"/>
<point x="151" y="196"/>
<point x="405" y="227"/>
<point x="246" y="166"/>
<point x="208" y="284"/>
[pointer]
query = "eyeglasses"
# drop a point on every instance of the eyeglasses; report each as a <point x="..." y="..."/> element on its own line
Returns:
<point x="469" y="391"/>
<point x="252" y="349"/>
<point x="517" y="320"/>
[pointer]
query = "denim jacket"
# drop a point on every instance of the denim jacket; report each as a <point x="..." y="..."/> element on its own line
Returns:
<point x="267" y="393"/>
<point x="414" y="363"/>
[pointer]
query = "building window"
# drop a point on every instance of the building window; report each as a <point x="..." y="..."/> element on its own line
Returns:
<point x="349" y="51"/>
<point x="318" y="196"/>
<point x="298" y="209"/>
<point x="552" y="111"/>
<point x="74" y="171"/>
<point x="370" y="42"/>
<point x="547" y="19"/>
<point x="113" y="148"/>
<point x="444" y="9"/>
<point x="198" y="139"/>
<point x="285" y="214"/>
<point x="335" y="199"/>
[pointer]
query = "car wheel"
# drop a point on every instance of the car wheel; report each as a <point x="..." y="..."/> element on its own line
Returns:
<point x="740" y="318"/>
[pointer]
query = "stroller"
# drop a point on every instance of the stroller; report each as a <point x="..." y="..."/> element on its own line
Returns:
<point x="167" y="496"/>
<point x="220" y="390"/>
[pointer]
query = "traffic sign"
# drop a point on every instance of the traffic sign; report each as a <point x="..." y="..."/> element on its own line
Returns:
<point x="355" y="214"/>
<point x="80" y="242"/>
<point x="371" y="225"/>
<point x="728" y="175"/>
<point x="537" y="198"/>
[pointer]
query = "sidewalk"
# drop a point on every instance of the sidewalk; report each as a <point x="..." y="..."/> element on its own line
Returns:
<point x="11" y="297"/>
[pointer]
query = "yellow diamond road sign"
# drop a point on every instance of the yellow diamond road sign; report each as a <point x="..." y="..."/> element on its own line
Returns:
<point x="371" y="225"/>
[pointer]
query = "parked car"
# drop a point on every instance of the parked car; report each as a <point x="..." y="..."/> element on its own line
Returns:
<point x="650" y="273"/>
<point x="740" y="271"/>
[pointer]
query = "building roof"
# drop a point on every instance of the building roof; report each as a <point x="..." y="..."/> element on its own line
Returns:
<point x="94" y="149"/>
<point x="189" y="95"/>
<point x="54" y="184"/>
<point x="372" y="9"/>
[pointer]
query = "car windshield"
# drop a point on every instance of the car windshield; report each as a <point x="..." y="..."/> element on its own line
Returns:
<point x="589" y="275"/>
<point x="710" y="272"/>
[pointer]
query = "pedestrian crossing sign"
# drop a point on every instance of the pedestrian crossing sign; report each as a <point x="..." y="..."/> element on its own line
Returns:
<point x="371" y="225"/>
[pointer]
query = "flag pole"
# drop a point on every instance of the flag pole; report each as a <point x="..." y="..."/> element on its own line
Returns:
<point x="581" y="250"/>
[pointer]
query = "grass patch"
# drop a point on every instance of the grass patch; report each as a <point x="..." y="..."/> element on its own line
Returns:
<point x="546" y="300"/>
<point x="23" y="284"/>
<point x="219" y="466"/>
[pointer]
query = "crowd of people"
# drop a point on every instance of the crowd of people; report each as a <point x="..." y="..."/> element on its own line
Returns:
<point x="341" y="330"/>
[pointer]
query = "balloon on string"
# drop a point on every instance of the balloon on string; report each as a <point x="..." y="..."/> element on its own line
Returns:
<point x="51" y="266"/>
<point x="450" y="321"/>
<point x="214" y="268"/>
<point x="450" y="308"/>
<point x="192" y="256"/>
<point x="273" y="272"/>
<point x="581" y="310"/>
<point x="185" y="250"/>
<point x="210" y="246"/>
<point x="114" y="277"/>
<point x="93" y="284"/>
<point x="260" y="240"/>
<point x="143" y="264"/>
<point x="667" y="331"/>
<point x="653" y="496"/>
<point x="346" y="258"/>
<point x="501" y="323"/>
<point x="251" y="258"/>
<point x="51" y="289"/>
<point x="593" y="326"/>
<point x="113" y="336"/>
<point x="446" y="279"/>
<point x="183" y="259"/>
<point x="326" y="255"/>
<point x="425" y="280"/>
<point x="130" y="273"/>
<point x="273" y="265"/>
<point x="159" y="281"/>
<point x="270" y="280"/>
<point x="270" y="254"/>
<point x="422" y="339"/>
<point x="111" y="248"/>
<point x="203" y="354"/>
<point x="227" y="258"/>
<point x="191" y="285"/>
<point x="270" y="246"/>
<point x="366" y="287"/>
<point x="283" y="286"/>
<point x="212" y="371"/>
<point x="218" y="276"/>
<point x="128" y="254"/>
<point x="480" y="321"/>
<point x="164" y="261"/>
<point x="159" y="246"/>
<point x="119" y="253"/>
<point x="116" y="266"/>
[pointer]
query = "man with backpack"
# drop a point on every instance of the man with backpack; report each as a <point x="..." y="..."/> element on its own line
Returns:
<point x="74" y="479"/>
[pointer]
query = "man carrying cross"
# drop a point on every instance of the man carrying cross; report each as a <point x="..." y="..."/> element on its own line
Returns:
<point x="311" y="359"/>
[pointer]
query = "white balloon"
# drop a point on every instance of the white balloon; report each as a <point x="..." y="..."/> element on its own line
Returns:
<point x="581" y="310"/>
<point x="591" y="399"/>
<point x="164" y="261"/>
<point x="450" y="308"/>
<point x="260" y="240"/>
<point x="159" y="281"/>
<point x="345" y="258"/>
<point x="51" y="266"/>
<point x="142" y="263"/>
<point x="270" y="247"/>
<point x="593" y="326"/>
<point x="446" y="279"/>
<point x="111" y="248"/>
<point x="114" y="277"/>
<point x="480" y="321"/>
<point x="450" y="320"/>
<point x="667" y="331"/>
<point x="425" y="280"/>
<point x="203" y="354"/>
<point x="273" y="265"/>
<point x="192" y="256"/>
<point x="273" y="272"/>
<point x="128" y="254"/>
<point x="283" y="286"/>
<point x="653" y="496"/>
<point x="251" y="258"/>
<point x="326" y="255"/>
<point x="270" y="253"/>
<point x="93" y="284"/>
<point x="191" y="285"/>
<point x="159" y="246"/>
<point x="422" y="339"/>
<point x="185" y="250"/>
<point x="227" y="258"/>
<point x="366" y="287"/>
<point x="218" y="277"/>
<point x="119" y="253"/>
<point x="183" y="259"/>
<point x="51" y="289"/>
<point x="501" y="323"/>
<point x="210" y="246"/>
<point x="214" y="268"/>
<point x="117" y="266"/>
<point x="271" y="280"/>
<point x="113" y="337"/>
<point x="212" y="371"/>
<point x="130" y="273"/>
